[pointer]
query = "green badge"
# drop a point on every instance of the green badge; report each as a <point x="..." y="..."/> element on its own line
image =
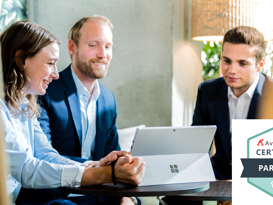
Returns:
<point x="258" y="166"/>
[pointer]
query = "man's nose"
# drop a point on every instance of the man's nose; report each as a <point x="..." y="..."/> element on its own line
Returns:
<point x="101" y="53"/>
<point x="232" y="68"/>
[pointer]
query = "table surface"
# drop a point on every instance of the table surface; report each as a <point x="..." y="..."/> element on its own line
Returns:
<point x="122" y="190"/>
<point x="218" y="191"/>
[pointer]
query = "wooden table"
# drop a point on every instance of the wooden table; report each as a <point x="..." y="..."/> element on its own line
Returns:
<point x="121" y="190"/>
<point x="218" y="191"/>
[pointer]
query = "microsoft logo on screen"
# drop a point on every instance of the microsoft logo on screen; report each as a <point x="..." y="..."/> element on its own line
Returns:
<point x="174" y="168"/>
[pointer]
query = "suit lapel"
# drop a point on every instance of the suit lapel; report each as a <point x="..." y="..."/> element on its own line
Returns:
<point x="222" y="112"/>
<point x="73" y="100"/>
<point x="252" y="112"/>
<point x="100" y="140"/>
<point x="222" y="118"/>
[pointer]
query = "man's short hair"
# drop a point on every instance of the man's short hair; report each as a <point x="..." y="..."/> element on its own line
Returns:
<point x="247" y="35"/>
<point x="75" y="32"/>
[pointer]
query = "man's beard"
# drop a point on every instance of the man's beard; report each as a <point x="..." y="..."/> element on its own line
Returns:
<point x="88" y="70"/>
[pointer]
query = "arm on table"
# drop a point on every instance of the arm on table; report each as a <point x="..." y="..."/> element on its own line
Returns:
<point x="127" y="170"/>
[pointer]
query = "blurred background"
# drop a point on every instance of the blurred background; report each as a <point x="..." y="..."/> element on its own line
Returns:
<point x="156" y="66"/>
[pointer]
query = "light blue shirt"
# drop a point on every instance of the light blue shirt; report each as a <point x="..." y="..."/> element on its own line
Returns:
<point x="88" y="116"/>
<point x="33" y="163"/>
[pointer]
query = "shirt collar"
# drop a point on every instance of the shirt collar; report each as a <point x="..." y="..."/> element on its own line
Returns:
<point x="250" y="91"/>
<point x="82" y="89"/>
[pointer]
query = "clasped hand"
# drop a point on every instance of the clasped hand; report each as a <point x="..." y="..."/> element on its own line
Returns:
<point x="128" y="169"/>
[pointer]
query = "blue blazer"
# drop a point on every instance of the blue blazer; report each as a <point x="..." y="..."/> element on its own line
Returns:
<point x="212" y="109"/>
<point x="61" y="118"/>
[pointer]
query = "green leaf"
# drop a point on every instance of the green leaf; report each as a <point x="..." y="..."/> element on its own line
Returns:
<point x="12" y="11"/>
<point x="211" y="68"/>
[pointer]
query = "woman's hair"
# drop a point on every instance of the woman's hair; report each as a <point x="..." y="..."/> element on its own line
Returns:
<point x="19" y="41"/>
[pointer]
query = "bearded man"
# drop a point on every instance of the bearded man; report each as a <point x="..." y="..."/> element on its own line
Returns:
<point x="78" y="113"/>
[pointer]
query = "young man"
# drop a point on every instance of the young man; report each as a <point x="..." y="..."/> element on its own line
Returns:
<point x="78" y="113"/>
<point x="233" y="96"/>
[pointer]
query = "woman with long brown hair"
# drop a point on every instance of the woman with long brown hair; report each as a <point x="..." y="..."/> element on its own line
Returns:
<point x="29" y="56"/>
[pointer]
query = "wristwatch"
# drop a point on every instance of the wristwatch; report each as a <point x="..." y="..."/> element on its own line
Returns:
<point x="134" y="200"/>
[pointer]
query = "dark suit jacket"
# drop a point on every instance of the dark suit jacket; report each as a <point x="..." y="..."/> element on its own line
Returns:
<point x="212" y="109"/>
<point x="61" y="118"/>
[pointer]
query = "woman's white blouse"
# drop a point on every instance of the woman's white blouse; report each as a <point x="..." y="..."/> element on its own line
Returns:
<point x="32" y="161"/>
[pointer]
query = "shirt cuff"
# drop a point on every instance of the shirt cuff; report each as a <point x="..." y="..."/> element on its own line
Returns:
<point x="72" y="175"/>
<point x="72" y="162"/>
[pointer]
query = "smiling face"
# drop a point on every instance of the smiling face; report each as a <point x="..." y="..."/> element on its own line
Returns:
<point x="41" y="69"/>
<point x="239" y="66"/>
<point x="93" y="54"/>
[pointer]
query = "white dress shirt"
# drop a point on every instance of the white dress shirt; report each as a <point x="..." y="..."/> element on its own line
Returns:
<point x="33" y="163"/>
<point x="88" y="116"/>
<point x="239" y="106"/>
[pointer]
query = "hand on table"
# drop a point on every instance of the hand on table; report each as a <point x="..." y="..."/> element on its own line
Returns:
<point x="127" y="169"/>
<point x="130" y="170"/>
<point x="111" y="157"/>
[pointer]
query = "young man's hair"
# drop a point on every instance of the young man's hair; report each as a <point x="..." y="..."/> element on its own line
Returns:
<point x="75" y="32"/>
<point x="247" y="35"/>
<point x="20" y="41"/>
